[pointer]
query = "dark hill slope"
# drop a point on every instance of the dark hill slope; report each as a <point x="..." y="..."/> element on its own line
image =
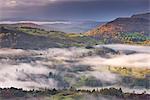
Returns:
<point x="33" y="38"/>
<point x="17" y="39"/>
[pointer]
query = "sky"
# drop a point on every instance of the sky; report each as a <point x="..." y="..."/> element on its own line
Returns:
<point x="92" y="10"/>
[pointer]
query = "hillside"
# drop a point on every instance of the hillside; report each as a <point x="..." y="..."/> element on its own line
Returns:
<point x="136" y="23"/>
<point x="34" y="38"/>
<point x="132" y="30"/>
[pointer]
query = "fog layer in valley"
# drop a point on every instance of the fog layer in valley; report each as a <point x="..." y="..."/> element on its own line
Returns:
<point x="78" y="67"/>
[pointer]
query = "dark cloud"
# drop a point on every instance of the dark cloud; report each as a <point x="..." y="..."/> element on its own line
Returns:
<point x="73" y="9"/>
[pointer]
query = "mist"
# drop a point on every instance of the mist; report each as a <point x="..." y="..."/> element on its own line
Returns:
<point x="65" y="67"/>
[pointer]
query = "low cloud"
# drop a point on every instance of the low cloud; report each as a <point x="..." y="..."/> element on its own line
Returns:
<point x="22" y="76"/>
<point x="35" y="22"/>
<point x="104" y="76"/>
<point x="30" y="69"/>
<point x="134" y="60"/>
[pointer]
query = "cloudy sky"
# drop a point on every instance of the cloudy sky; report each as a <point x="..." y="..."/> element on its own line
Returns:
<point x="102" y="10"/>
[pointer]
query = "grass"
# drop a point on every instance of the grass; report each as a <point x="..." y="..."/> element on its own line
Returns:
<point x="63" y="39"/>
<point x="67" y="95"/>
<point x="81" y="81"/>
<point x="132" y="71"/>
<point x="39" y="32"/>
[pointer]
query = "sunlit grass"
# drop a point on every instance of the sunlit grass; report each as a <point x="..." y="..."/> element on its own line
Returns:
<point x="132" y="71"/>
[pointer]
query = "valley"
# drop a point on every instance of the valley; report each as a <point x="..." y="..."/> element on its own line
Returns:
<point x="111" y="61"/>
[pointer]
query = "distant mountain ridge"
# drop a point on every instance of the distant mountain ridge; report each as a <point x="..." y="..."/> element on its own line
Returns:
<point x="64" y="26"/>
<point x="144" y="16"/>
<point x="73" y="26"/>
<point x="136" y="23"/>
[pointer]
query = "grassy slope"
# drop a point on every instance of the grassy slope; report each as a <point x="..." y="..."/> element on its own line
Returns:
<point x="39" y="38"/>
<point x="62" y="38"/>
<point x="83" y="40"/>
